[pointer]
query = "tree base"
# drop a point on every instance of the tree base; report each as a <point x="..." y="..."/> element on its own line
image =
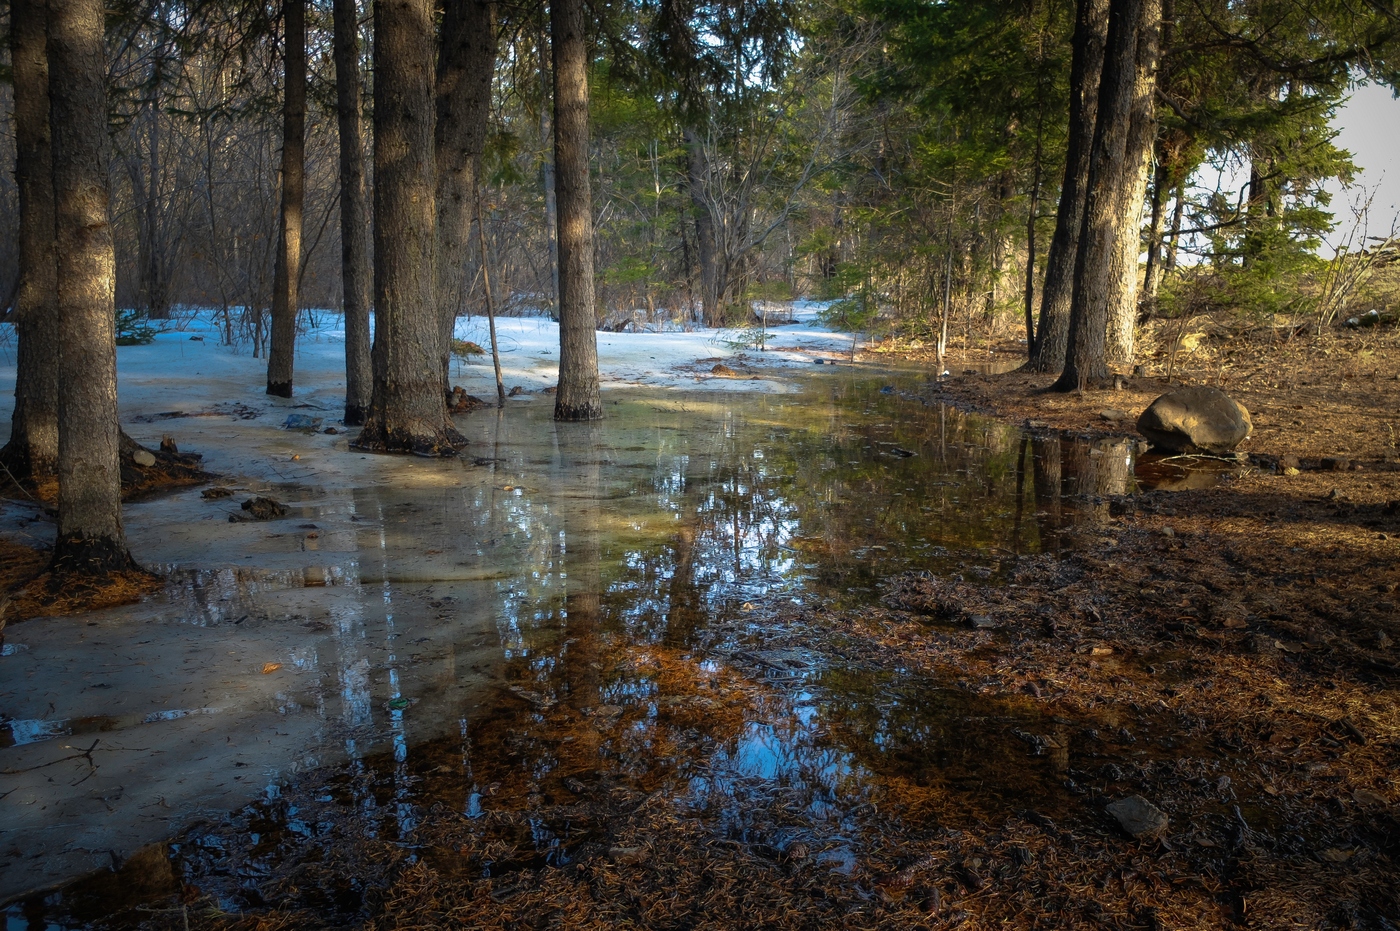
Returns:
<point x="355" y="415"/>
<point x="94" y="557"/>
<point x="442" y="443"/>
<point x="573" y="413"/>
<point x="20" y="471"/>
<point x="281" y="389"/>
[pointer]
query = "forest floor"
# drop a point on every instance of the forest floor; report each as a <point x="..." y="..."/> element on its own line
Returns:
<point x="1227" y="653"/>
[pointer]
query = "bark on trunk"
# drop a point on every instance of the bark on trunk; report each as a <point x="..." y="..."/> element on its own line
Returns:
<point x="1086" y="67"/>
<point x="288" y="264"/>
<point x="551" y="209"/>
<point x="711" y="313"/>
<point x="408" y="412"/>
<point x="578" y="396"/>
<point x="354" y="215"/>
<point x="1085" y="359"/>
<point x="31" y="455"/>
<point x="1152" y="277"/>
<point x="1142" y="137"/>
<point x="466" y="60"/>
<point x="90" y="539"/>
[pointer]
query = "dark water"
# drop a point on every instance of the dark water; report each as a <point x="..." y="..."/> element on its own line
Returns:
<point x="643" y="595"/>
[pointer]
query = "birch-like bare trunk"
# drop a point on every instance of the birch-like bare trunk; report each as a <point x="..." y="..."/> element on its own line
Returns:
<point x="286" y="270"/>
<point x="90" y="540"/>
<point x="578" y="397"/>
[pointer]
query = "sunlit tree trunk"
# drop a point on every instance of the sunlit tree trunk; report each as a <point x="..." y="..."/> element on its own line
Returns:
<point x="1109" y="173"/>
<point x="288" y="266"/>
<point x="354" y="215"/>
<point x="1086" y="66"/>
<point x="1142" y="136"/>
<point x="408" y="411"/>
<point x="466" y="60"/>
<point x="578" y="397"/>
<point x="31" y="455"/>
<point x="90" y="538"/>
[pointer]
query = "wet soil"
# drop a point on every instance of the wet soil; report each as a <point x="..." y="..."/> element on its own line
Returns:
<point x="853" y="658"/>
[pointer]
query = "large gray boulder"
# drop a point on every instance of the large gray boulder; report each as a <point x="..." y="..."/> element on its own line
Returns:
<point x="1198" y="419"/>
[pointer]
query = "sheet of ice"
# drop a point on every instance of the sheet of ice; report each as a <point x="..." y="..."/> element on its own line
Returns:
<point x="371" y="615"/>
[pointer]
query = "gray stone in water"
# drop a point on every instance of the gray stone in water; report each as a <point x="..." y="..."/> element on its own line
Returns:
<point x="1197" y="419"/>
<point x="1139" y="817"/>
<point x="143" y="458"/>
<point x="301" y="422"/>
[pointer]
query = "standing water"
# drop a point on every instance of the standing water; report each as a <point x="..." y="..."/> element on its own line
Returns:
<point x="571" y="615"/>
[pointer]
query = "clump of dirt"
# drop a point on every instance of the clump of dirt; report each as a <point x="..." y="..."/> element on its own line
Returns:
<point x="259" y="507"/>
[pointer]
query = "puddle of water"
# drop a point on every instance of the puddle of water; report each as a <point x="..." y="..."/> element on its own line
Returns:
<point x="573" y="608"/>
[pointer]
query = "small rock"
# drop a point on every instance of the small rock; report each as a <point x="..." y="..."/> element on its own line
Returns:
<point x="981" y="622"/>
<point x="1196" y="419"/>
<point x="1335" y="464"/>
<point x="552" y="389"/>
<point x="1290" y="470"/>
<point x="819" y="361"/>
<point x="216" y="492"/>
<point x="515" y="392"/>
<point x="1114" y="415"/>
<point x="1289" y="462"/>
<point x="143" y="458"/>
<point x="1368" y="799"/>
<point x="301" y="422"/>
<point x="331" y="431"/>
<point x="1138" y="817"/>
<point x="722" y="369"/>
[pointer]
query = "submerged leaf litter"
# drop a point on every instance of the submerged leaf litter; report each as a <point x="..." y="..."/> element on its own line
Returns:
<point x="676" y="669"/>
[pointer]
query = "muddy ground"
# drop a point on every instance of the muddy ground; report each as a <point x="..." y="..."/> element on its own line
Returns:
<point x="1229" y="654"/>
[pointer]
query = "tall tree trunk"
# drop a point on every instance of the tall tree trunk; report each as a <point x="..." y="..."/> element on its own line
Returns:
<point x="288" y="264"/>
<point x="408" y="411"/>
<point x="578" y="397"/>
<point x="1142" y="138"/>
<point x="1086" y="67"/>
<point x="31" y="455"/>
<point x="551" y="207"/>
<point x="466" y="61"/>
<point x="1109" y="172"/>
<point x="1152" y="276"/>
<point x="354" y="215"/>
<point x="707" y="249"/>
<point x="1031" y="216"/>
<point x="90" y="538"/>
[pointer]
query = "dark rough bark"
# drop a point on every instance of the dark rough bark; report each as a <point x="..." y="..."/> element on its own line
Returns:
<point x="288" y="265"/>
<point x="466" y="60"/>
<point x="707" y="250"/>
<point x="91" y="540"/>
<point x="354" y="215"/>
<point x="1142" y="136"/>
<point x="1086" y="66"/>
<point x="1085" y="360"/>
<point x="31" y="455"/>
<point x="408" y="411"/>
<point x="578" y="397"/>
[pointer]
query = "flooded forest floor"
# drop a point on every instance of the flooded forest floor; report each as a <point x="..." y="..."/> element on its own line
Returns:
<point x="891" y="652"/>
